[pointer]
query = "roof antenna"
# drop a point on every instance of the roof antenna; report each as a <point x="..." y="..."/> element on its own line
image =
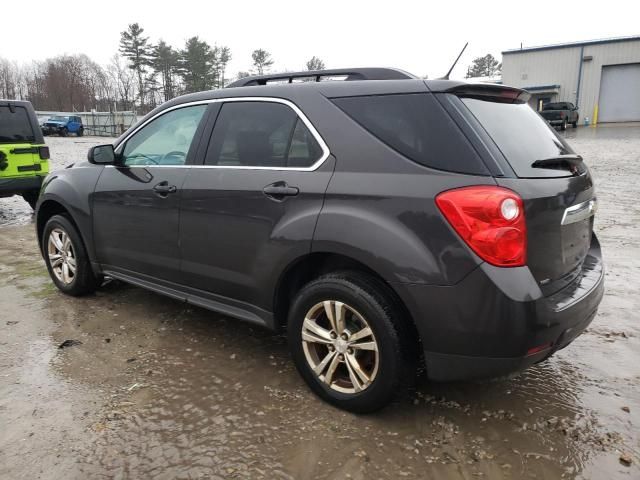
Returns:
<point x="446" y="77"/>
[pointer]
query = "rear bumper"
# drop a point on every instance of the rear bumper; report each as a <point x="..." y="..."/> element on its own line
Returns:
<point x="17" y="185"/>
<point x="557" y="121"/>
<point x="492" y="322"/>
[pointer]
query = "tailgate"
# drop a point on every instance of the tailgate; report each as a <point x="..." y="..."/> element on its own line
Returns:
<point x="559" y="215"/>
<point x="551" y="114"/>
<point x="554" y="183"/>
<point x="20" y="160"/>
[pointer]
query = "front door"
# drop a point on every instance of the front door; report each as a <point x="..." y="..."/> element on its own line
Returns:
<point x="252" y="207"/>
<point x="136" y="204"/>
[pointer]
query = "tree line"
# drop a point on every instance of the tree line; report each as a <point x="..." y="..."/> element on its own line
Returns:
<point x="143" y="74"/>
<point x="140" y="76"/>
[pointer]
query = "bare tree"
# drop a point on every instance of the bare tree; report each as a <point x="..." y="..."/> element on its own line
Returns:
<point x="123" y="80"/>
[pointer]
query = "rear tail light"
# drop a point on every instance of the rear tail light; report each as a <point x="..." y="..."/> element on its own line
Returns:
<point x="561" y="114"/>
<point x="490" y="220"/>
<point x="44" y="153"/>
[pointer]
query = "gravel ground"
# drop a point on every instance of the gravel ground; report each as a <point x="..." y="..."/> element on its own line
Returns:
<point x="158" y="389"/>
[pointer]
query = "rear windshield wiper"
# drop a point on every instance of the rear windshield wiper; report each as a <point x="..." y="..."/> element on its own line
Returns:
<point x="568" y="161"/>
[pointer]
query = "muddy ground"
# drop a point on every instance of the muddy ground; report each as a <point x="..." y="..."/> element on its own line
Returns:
<point x="158" y="389"/>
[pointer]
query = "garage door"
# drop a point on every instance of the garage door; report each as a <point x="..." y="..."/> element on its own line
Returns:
<point x="620" y="93"/>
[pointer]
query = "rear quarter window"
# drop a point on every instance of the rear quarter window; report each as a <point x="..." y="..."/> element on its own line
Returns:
<point x="416" y="126"/>
<point x="15" y="126"/>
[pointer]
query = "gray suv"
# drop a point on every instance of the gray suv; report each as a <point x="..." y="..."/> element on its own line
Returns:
<point x="386" y="222"/>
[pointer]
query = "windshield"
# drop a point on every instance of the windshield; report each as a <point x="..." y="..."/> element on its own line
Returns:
<point x="521" y="134"/>
<point x="15" y="126"/>
<point x="58" y="118"/>
<point x="556" y="106"/>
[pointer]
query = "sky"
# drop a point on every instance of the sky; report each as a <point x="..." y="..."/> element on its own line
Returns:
<point x="421" y="37"/>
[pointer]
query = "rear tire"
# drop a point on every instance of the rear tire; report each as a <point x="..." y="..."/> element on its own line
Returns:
<point x="563" y="127"/>
<point x="31" y="198"/>
<point x="81" y="132"/>
<point x="575" y="124"/>
<point x="331" y="359"/>
<point x="66" y="258"/>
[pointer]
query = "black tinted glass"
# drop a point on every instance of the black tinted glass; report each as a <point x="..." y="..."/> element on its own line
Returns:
<point x="15" y="126"/>
<point x="557" y="106"/>
<point x="521" y="134"/>
<point x="261" y="134"/>
<point x="416" y="126"/>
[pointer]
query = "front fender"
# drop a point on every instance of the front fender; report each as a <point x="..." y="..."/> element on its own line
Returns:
<point x="71" y="188"/>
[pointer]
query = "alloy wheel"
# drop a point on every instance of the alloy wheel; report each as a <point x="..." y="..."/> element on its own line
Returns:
<point x="61" y="256"/>
<point x="340" y="346"/>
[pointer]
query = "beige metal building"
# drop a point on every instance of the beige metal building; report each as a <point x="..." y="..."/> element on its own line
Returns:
<point x="601" y="77"/>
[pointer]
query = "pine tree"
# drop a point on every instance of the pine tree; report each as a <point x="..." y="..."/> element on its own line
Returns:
<point x="224" y="59"/>
<point x="196" y="65"/>
<point x="261" y="60"/>
<point x="486" y="66"/>
<point x="164" y="61"/>
<point x="135" y="48"/>
<point x="315" y="64"/>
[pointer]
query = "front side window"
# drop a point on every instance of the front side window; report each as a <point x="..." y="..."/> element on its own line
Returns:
<point x="165" y="140"/>
<point x="261" y="134"/>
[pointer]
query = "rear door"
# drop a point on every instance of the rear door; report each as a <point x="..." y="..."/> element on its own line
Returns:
<point x="252" y="207"/>
<point x="554" y="183"/>
<point x="136" y="204"/>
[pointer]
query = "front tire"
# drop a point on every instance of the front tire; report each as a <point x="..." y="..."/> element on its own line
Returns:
<point x="64" y="132"/>
<point x="346" y="338"/>
<point x="66" y="258"/>
<point x="81" y="132"/>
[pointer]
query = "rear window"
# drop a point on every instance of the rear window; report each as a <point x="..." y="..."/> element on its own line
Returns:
<point x="521" y="134"/>
<point x="15" y="126"/>
<point x="416" y="126"/>
<point x="556" y="106"/>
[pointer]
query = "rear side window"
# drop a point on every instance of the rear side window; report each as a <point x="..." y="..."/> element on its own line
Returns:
<point x="521" y="134"/>
<point x="261" y="134"/>
<point x="416" y="126"/>
<point x="15" y="126"/>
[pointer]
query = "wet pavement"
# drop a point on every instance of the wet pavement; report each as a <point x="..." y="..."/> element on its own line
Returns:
<point x="159" y="389"/>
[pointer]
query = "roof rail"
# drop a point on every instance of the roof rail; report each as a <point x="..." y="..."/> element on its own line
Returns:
<point x="349" y="73"/>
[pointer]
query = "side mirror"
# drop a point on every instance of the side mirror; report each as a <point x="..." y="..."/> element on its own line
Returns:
<point x="102" y="155"/>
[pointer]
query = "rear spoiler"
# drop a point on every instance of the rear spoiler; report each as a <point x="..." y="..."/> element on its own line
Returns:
<point x="490" y="91"/>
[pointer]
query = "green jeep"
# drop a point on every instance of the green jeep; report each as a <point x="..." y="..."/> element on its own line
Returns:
<point x="24" y="158"/>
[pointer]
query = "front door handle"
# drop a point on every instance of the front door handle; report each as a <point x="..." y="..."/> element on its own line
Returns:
<point x="280" y="190"/>
<point x="163" y="188"/>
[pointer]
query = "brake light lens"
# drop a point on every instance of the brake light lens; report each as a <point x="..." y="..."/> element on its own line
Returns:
<point x="490" y="220"/>
<point x="44" y="153"/>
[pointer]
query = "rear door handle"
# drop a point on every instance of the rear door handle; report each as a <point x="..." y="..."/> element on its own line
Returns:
<point x="279" y="190"/>
<point x="163" y="188"/>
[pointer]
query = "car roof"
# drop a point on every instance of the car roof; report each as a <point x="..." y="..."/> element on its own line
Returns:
<point x="17" y="103"/>
<point x="328" y="88"/>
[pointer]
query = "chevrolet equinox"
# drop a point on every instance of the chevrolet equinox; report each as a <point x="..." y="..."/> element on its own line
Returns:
<point x="384" y="221"/>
